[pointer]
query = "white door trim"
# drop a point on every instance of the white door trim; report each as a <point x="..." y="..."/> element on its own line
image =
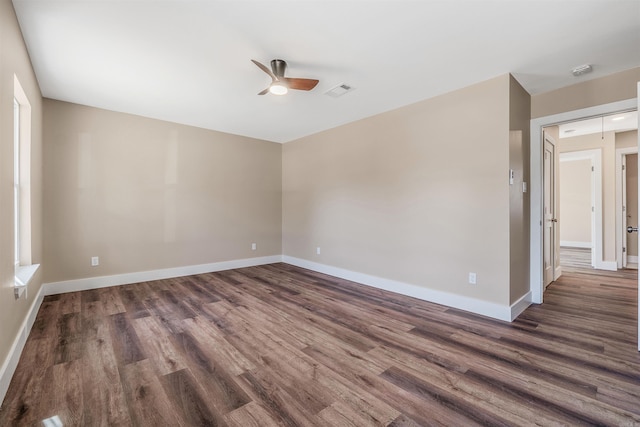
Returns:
<point x="535" y="159"/>
<point x="620" y="153"/>
<point x="595" y="156"/>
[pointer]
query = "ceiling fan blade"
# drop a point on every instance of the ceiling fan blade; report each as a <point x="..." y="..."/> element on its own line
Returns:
<point x="300" y="84"/>
<point x="264" y="92"/>
<point x="265" y="69"/>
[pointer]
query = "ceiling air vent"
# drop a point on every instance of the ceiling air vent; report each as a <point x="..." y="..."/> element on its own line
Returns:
<point x="582" y="69"/>
<point x="339" y="90"/>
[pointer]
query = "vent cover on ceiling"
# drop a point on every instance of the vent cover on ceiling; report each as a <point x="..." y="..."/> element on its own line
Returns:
<point x="582" y="69"/>
<point x="339" y="90"/>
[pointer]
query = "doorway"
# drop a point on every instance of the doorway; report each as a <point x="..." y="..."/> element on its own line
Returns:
<point x="580" y="200"/>
<point x="627" y="206"/>
<point x="537" y="184"/>
<point x="631" y="192"/>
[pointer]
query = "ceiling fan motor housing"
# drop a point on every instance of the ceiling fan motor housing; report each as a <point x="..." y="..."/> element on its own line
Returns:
<point x="278" y="66"/>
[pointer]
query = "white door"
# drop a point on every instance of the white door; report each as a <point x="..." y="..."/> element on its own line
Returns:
<point x="638" y="101"/>
<point x="549" y="219"/>
<point x="624" y="211"/>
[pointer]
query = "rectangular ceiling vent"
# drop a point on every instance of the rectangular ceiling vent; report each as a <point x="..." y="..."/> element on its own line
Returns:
<point x="582" y="69"/>
<point x="339" y="90"/>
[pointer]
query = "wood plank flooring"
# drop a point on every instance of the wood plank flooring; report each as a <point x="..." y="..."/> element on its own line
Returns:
<point x="575" y="259"/>
<point x="578" y="260"/>
<point x="277" y="345"/>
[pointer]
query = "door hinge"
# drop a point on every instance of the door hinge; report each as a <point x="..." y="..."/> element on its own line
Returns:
<point x="593" y="169"/>
<point x="623" y="167"/>
<point x="624" y="249"/>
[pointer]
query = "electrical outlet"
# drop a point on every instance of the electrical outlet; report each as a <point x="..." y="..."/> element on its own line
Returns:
<point x="318" y="250"/>
<point x="472" y="278"/>
<point x="95" y="261"/>
<point x="254" y="246"/>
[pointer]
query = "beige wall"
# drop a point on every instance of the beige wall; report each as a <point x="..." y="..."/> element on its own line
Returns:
<point x="616" y="87"/>
<point x="575" y="202"/>
<point x="627" y="139"/>
<point x="418" y="195"/>
<point x="606" y="144"/>
<point x="14" y="60"/>
<point x="144" y="194"/>
<point x="519" y="119"/>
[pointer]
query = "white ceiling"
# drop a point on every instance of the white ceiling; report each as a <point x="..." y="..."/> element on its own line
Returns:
<point x="189" y="61"/>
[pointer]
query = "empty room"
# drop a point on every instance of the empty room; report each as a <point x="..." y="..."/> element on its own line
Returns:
<point x="319" y="213"/>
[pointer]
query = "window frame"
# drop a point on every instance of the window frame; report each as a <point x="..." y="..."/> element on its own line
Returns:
<point x="25" y="270"/>
<point x="16" y="182"/>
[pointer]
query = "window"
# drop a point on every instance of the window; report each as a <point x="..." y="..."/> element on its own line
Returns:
<point x="24" y="269"/>
<point x="16" y="183"/>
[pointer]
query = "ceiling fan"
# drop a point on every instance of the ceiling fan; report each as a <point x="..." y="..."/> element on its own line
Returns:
<point x="280" y="84"/>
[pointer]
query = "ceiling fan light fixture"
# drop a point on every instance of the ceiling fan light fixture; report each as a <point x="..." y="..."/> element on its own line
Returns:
<point x="278" y="88"/>
<point x="280" y="84"/>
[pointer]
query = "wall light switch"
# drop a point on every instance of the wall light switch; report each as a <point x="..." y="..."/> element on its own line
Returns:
<point x="254" y="246"/>
<point x="524" y="187"/>
<point x="318" y="250"/>
<point x="95" y="261"/>
<point x="512" y="176"/>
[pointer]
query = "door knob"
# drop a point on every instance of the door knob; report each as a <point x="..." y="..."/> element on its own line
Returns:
<point x="554" y="220"/>
<point x="631" y="229"/>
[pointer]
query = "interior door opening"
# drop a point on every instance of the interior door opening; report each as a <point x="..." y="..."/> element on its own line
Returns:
<point x="537" y="186"/>
<point x="592" y="233"/>
<point x="627" y="206"/>
<point x="630" y="191"/>
<point x="580" y="203"/>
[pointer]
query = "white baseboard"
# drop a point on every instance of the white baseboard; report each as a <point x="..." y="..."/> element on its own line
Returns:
<point x="521" y="305"/>
<point x="557" y="273"/>
<point x="485" y="308"/>
<point x="607" y="265"/>
<point x="572" y="244"/>
<point x="632" y="259"/>
<point x="145" y="276"/>
<point x="11" y="362"/>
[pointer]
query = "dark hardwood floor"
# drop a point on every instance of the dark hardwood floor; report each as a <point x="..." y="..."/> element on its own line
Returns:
<point x="278" y="345"/>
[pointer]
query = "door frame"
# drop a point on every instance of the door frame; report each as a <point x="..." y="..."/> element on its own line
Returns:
<point x="595" y="157"/>
<point x="536" y="206"/>
<point x="620" y="229"/>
